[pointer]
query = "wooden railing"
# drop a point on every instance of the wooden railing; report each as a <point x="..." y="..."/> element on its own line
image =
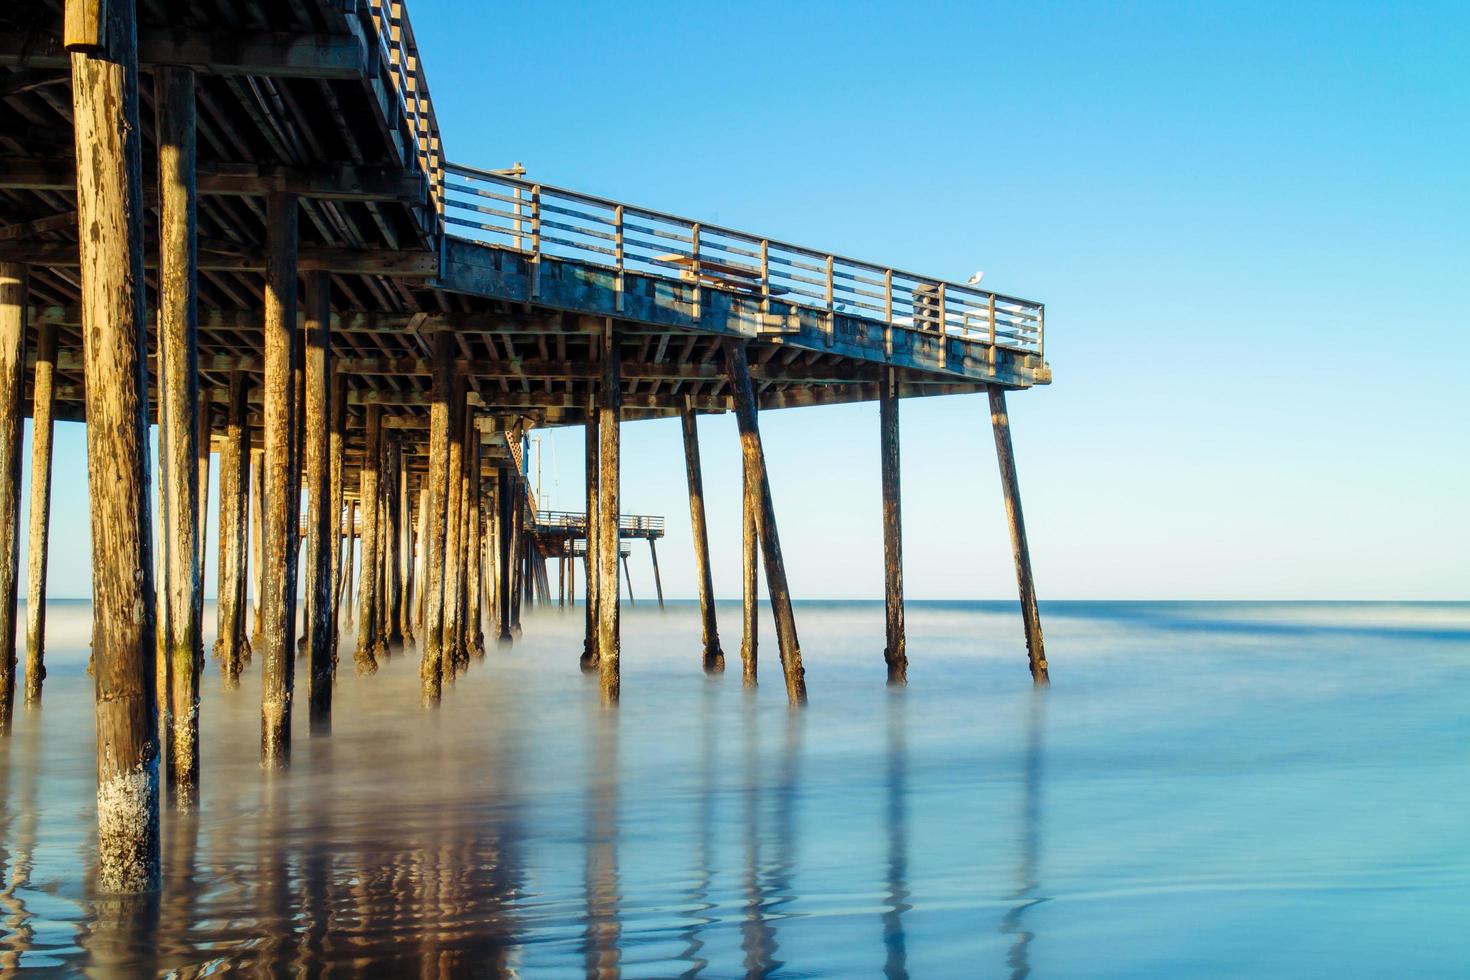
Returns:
<point x="577" y="521"/>
<point x="399" y="54"/>
<point x="541" y="220"/>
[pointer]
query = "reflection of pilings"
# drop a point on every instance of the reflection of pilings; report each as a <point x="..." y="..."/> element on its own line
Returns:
<point x="15" y="870"/>
<point x="895" y="963"/>
<point x="1028" y="868"/>
<point x="601" y="955"/>
<point x="180" y="890"/>
<point x="700" y="907"/>
<point x="757" y="938"/>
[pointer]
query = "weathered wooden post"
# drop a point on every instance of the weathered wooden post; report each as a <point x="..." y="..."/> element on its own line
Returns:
<point x="749" y="576"/>
<point x="462" y="559"/>
<point x="257" y="532"/>
<point x="755" y="465"/>
<point x="627" y="576"/>
<point x="519" y="579"/>
<point x="454" y="487"/>
<point x="504" y="559"/>
<point x="893" y="652"/>
<point x="1011" y="488"/>
<point x="658" y="582"/>
<point x="367" y="615"/>
<point x="278" y="630"/>
<point x="419" y="578"/>
<point x="589" y="553"/>
<point x="475" y="549"/>
<point x="405" y="552"/>
<point x="349" y="564"/>
<point x="234" y="481"/>
<point x="714" y="657"/>
<point x="110" y="219"/>
<point x="43" y="403"/>
<point x="431" y="530"/>
<point x="320" y="543"/>
<point x="337" y="447"/>
<point x="609" y="405"/>
<point x="206" y="434"/>
<point x="178" y="415"/>
<point x="14" y="287"/>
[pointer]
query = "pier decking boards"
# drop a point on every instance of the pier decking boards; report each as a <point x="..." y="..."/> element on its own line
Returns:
<point x="237" y="221"/>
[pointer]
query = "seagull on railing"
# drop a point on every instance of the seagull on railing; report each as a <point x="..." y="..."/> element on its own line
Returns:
<point x="975" y="279"/>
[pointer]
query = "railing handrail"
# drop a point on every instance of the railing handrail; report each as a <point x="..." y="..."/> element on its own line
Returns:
<point x="530" y="186"/>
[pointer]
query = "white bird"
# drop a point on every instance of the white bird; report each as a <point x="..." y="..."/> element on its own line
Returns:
<point x="975" y="279"/>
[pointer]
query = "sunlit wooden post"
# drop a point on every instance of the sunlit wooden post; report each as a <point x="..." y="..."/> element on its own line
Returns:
<point x="504" y="559"/>
<point x="749" y="578"/>
<point x="178" y="413"/>
<point x="368" y="646"/>
<point x="474" y="548"/>
<point x="714" y="657"/>
<point x="337" y="447"/>
<point x="278" y="630"/>
<point x="257" y="531"/>
<point x="609" y="405"/>
<point x="234" y="483"/>
<point x="14" y="282"/>
<point x="392" y="519"/>
<point x="43" y="404"/>
<point x="110" y="214"/>
<point x="755" y="464"/>
<point x="431" y="530"/>
<point x="453" y="493"/>
<point x="320" y="540"/>
<point x="1011" y="488"/>
<point x="405" y="552"/>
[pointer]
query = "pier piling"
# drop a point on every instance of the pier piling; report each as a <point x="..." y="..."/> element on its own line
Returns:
<point x="431" y="657"/>
<point x="894" y="651"/>
<point x="104" y="69"/>
<point x="590" y="560"/>
<point x="368" y="649"/>
<point x="14" y="290"/>
<point x="234" y="481"/>
<point x="43" y="403"/>
<point x="1011" y="488"/>
<point x="609" y="404"/>
<point x="714" y="657"/>
<point x="760" y="486"/>
<point x="278" y="629"/>
<point x="320" y="542"/>
<point x="749" y="579"/>
<point x="178" y="416"/>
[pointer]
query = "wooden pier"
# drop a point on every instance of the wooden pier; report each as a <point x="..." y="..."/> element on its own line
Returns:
<point x="237" y="222"/>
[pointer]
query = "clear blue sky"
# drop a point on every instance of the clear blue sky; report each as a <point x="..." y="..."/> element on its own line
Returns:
<point x="1250" y="224"/>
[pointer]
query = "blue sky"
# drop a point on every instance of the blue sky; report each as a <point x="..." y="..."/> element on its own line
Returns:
<point x="1250" y="224"/>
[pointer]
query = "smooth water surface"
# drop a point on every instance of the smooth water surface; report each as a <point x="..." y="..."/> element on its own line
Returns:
<point x="1208" y="789"/>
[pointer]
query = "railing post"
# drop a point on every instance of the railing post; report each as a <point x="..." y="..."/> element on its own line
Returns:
<point x="1041" y="332"/>
<point x="694" y="267"/>
<point x="943" y="317"/>
<point x="765" y="282"/>
<point x="535" y="241"/>
<point x="831" y="313"/>
<point x="618" y="255"/>
<point x="990" y="352"/>
<point x="515" y="224"/>
<point x="888" y="314"/>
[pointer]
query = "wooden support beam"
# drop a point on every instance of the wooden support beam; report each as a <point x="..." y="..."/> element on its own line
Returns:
<point x="278" y="629"/>
<point x="462" y="554"/>
<point x="749" y="575"/>
<point x="201" y="468"/>
<point x="519" y="581"/>
<point x="234" y="484"/>
<point x="1010" y="486"/>
<point x="755" y="465"/>
<point x="332" y="182"/>
<point x="369" y="645"/>
<point x="590" y="559"/>
<point x="405" y="553"/>
<point x="320" y="541"/>
<point x="277" y="54"/>
<point x="608" y="409"/>
<point x="714" y="657"/>
<point x="407" y="264"/>
<point x="14" y="281"/>
<point x="180" y="632"/>
<point x="894" y="649"/>
<point x="257" y="540"/>
<point x="349" y="568"/>
<point x="110" y="205"/>
<point x="42" y="429"/>
<point x="431" y="528"/>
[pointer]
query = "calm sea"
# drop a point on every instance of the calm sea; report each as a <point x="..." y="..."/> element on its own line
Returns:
<point x="1217" y="789"/>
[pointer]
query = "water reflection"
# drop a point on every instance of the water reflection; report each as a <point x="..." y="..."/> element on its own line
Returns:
<point x="1028" y="867"/>
<point x="895" y="964"/>
<point x="18" y="824"/>
<point x="601" y="952"/>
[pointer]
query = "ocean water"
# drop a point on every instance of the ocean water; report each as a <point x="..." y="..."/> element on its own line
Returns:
<point x="1208" y="789"/>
